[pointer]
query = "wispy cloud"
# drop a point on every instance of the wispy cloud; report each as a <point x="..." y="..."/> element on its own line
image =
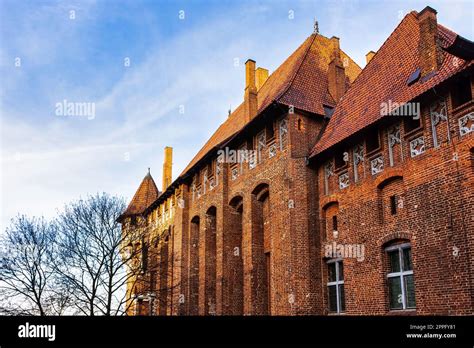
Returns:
<point x="175" y="66"/>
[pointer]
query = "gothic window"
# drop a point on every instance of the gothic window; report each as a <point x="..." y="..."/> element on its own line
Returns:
<point x="438" y="116"/>
<point x="393" y="139"/>
<point x="193" y="190"/>
<point x="205" y="179"/>
<point x="283" y="132"/>
<point x="336" y="295"/>
<point x="357" y="158"/>
<point x="252" y="160"/>
<point x="328" y="172"/>
<point x="242" y="157"/>
<point x="260" y="145"/>
<point x="400" y="277"/>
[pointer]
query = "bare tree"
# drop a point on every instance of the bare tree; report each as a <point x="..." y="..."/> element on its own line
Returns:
<point x="88" y="261"/>
<point x="26" y="275"/>
<point x="82" y="263"/>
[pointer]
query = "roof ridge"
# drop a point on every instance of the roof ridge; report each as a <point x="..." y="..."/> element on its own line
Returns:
<point x="350" y="116"/>
<point x="290" y="82"/>
<point x="381" y="46"/>
<point x="353" y="85"/>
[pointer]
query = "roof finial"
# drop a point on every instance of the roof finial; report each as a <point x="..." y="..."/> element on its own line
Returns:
<point x="230" y="109"/>
<point x="148" y="170"/>
<point x="316" y="27"/>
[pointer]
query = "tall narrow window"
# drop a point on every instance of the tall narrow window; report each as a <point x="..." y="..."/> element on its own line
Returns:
<point x="461" y="93"/>
<point x="336" y="296"/>
<point x="269" y="281"/>
<point x="400" y="277"/>
<point x="372" y="141"/>
<point x="334" y="223"/>
<point x="393" y="204"/>
<point x="410" y="124"/>
<point x="270" y="131"/>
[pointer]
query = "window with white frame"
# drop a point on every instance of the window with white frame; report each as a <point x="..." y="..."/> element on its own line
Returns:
<point x="401" y="284"/>
<point x="336" y="296"/>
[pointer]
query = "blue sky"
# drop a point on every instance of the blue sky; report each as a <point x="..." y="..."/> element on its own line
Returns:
<point x="180" y="83"/>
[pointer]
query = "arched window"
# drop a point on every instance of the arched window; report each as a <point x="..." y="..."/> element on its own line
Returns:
<point x="210" y="261"/>
<point x="233" y="271"/>
<point x="193" y="277"/>
<point x="401" y="285"/>
<point x="261" y="249"/>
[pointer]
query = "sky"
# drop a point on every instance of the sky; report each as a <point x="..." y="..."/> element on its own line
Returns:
<point x="154" y="74"/>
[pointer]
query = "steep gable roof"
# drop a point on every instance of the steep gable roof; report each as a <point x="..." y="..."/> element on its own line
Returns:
<point x="146" y="194"/>
<point x="300" y="81"/>
<point x="385" y="78"/>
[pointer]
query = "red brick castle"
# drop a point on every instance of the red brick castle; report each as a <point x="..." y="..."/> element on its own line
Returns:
<point x="330" y="189"/>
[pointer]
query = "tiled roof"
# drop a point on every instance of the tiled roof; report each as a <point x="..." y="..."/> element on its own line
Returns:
<point x="300" y="81"/>
<point x="146" y="194"/>
<point x="385" y="78"/>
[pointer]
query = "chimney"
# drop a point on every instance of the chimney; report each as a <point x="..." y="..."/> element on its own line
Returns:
<point x="336" y="72"/>
<point x="369" y="56"/>
<point x="250" y="96"/>
<point x="167" y="167"/>
<point x="427" y="48"/>
<point x="262" y="76"/>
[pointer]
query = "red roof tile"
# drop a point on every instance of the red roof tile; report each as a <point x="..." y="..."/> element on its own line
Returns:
<point x="146" y="194"/>
<point x="300" y="81"/>
<point x="385" y="78"/>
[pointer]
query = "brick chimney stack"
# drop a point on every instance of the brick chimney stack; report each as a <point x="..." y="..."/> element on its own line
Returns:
<point x="336" y="72"/>
<point x="167" y="168"/>
<point x="250" y="96"/>
<point x="262" y="76"/>
<point x="369" y="56"/>
<point x="428" y="51"/>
